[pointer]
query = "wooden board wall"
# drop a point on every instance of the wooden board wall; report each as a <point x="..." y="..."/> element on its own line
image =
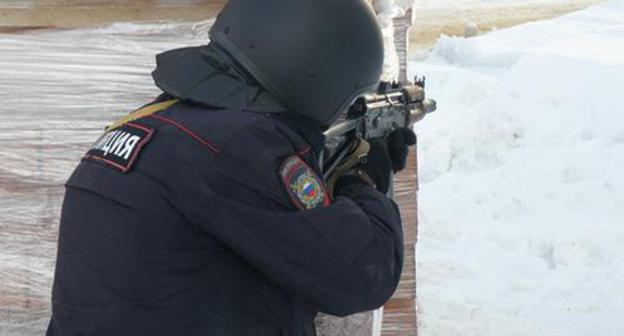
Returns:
<point x="400" y="312"/>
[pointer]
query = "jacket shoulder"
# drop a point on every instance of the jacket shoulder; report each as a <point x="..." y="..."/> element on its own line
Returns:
<point x="232" y="132"/>
<point x="234" y="152"/>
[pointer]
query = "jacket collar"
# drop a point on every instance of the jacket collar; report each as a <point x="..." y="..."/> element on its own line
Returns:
<point x="207" y="75"/>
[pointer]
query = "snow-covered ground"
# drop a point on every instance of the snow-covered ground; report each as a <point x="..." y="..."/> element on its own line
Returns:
<point x="522" y="184"/>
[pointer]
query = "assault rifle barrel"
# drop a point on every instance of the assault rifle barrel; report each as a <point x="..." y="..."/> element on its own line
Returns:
<point x="410" y="98"/>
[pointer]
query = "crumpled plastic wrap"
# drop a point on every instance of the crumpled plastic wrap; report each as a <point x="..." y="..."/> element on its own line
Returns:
<point x="58" y="90"/>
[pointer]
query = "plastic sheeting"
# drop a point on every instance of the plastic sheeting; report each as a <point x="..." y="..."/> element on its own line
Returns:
<point x="58" y="90"/>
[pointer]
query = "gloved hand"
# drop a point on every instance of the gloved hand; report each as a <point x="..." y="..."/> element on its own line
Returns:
<point x="356" y="156"/>
<point x="388" y="156"/>
<point x="385" y="156"/>
<point x="399" y="142"/>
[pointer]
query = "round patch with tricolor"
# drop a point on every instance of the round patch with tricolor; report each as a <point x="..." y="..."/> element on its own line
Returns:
<point x="304" y="186"/>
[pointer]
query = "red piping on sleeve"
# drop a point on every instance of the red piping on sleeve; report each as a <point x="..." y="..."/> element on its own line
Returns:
<point x="192" y="134"/>
<point x="304" y="151"/>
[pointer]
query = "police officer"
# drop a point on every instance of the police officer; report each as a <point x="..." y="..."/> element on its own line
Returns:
<point x="204" y="213"/>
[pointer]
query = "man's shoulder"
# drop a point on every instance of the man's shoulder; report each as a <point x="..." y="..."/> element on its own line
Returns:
<point x="220" y="126"/>
<point x="237" y="132"/>
<point x="247" y="151"/>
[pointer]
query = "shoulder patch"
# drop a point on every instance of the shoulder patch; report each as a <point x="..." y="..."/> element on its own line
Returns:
<point x="305" y="188"/>
<point x="120" y="148"/>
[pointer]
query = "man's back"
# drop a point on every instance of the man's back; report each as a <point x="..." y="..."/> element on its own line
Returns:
<point x="197" y="234"/>
<point x="130" y="262"/>
<point x="206" y="212"/>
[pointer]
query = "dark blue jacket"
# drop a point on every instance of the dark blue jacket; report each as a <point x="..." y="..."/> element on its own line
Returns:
<point x="194" y="230"/>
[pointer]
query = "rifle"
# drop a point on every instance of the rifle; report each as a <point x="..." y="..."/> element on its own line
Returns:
<point x="374" y="116"/>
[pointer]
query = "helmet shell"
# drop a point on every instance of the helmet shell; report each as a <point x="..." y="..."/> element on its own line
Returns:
<point x="315" y="56"/>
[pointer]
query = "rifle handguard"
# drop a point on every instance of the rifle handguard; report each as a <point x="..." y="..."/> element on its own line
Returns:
<point x="353" y="159"/>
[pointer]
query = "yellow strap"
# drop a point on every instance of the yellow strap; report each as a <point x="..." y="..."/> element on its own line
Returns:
<point x="144" y="112"/>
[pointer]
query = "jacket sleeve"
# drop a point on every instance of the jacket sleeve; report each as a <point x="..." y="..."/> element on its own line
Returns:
<point x="344" y="258"/>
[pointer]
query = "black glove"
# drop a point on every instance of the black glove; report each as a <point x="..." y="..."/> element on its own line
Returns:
<point x="378" y="164"/>
<point x="399" y="142"/>
<point x="386" y="156"/>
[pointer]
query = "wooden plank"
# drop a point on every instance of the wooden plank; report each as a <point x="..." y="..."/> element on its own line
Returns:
<point x="400" y="312"/>
<point x="74" y="14"/>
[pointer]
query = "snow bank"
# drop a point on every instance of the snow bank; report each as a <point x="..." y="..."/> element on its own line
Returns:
<point x="522" y="224"/>
<point x="444" y="4"/>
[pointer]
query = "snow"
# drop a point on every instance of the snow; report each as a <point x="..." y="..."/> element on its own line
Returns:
<point x="445" y="4"/>
<point x="521" y="217"/>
